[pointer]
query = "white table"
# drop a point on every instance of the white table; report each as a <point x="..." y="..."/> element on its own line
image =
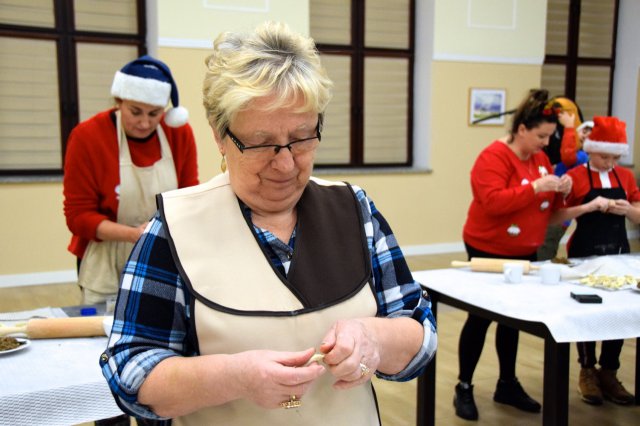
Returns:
<point x="55" y="382"/>
<point x="546" y="311"/>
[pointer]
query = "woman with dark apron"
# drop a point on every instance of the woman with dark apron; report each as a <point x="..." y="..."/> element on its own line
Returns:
<point x="603" y="196"/>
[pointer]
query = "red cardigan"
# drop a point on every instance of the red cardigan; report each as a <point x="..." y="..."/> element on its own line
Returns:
<point x="92" y="172"/>
<point x="506" y="217"/>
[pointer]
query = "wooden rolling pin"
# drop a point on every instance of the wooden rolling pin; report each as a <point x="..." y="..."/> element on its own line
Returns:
<point x="50" y="328"/>
<point x="485" y="264"/>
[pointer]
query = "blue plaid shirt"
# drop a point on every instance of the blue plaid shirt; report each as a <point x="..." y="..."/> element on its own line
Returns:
<point x="152" y="317"/>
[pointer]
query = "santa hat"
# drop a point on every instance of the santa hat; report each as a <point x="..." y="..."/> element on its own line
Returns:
<point x="609" y="136"/>
<point x="149" y="81"/>
<point x="588" y="124"/>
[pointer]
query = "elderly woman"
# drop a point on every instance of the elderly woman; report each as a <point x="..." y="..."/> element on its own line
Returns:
<point x="266" y="296"/>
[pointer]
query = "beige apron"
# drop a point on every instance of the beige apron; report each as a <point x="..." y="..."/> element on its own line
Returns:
<point x="102" y="263"/>
<point x="247" y="284"/>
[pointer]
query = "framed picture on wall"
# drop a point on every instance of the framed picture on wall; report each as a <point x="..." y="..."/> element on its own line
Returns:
<point x="486" y="107"/>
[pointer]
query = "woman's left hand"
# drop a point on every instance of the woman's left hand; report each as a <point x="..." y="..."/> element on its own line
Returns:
<point x="619" y="206"/>
<point x="351" y="353"/>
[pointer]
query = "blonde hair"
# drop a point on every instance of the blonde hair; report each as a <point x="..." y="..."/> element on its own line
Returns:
<point x="569" y="106"/>
<point x="272" y="60"/>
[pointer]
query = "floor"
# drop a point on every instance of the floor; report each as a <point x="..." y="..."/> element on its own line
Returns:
<point x="397" y="401"/>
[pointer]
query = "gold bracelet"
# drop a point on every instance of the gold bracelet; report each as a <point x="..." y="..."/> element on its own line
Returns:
<point x="535" y="186"/>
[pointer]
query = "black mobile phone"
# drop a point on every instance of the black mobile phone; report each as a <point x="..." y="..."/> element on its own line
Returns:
<point x="586" y="298"/>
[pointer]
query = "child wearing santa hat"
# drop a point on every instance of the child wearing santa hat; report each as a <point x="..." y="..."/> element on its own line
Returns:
<point x="602" y="197"/>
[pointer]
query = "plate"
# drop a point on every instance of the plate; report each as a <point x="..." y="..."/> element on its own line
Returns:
<point x="635" y="289"/>
<point x="24" y="343"/>
<point x="602" y="287"/>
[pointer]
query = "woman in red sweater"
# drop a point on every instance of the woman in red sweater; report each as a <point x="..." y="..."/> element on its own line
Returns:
<point x="514" y="191"/>
<point x="115" y="164"/>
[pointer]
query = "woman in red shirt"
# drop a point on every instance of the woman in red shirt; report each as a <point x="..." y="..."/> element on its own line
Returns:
<point x="115" y="164"/>
<point x="514" y="191"/>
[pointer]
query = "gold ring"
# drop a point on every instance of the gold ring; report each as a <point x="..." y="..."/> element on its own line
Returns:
<point x="364" y="370"/>
<point x="612" y="203"/>
<point x="293" y="402"/>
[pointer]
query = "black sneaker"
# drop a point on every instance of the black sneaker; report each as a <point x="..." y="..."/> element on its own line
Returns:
<point x="464" y="403"/>
<point x="510" y="392"/>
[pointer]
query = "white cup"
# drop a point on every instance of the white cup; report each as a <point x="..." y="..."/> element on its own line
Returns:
<point x="550" y="273"/>
<point x="513" y="272"/>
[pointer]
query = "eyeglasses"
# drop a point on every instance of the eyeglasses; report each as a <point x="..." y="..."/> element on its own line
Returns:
<point x="268" y="151"/>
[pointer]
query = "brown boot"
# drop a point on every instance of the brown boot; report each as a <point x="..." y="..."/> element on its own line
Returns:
<point x="612" y="388"/>
<point x="589" y="386"/>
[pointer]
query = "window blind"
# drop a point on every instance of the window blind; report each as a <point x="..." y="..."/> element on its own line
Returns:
<point x="553" y="79"/>
<point x="592" y="90"/>
<point x="387" y="24"/>
<point x="367" y="50"/>
<point x="557" y="27"/>
<point x="34" y="13"/>
<point x="29" y="113"/>
<point x="330" y="21"/>
<point x="386" y="110"/>
<point x="336" y="135"/>
<point x="55" y="73"/>
<point x="596" y="28"/>
<point x="115" y="16"/>
<point x="97" y="64"/>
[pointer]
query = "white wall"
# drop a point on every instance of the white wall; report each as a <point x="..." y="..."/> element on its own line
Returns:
<point x="625" y="88"/>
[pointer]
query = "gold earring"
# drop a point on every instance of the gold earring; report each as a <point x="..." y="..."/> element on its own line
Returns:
<point x="223" y="164"/>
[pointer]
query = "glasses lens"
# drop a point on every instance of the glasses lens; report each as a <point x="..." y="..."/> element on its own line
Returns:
<point x="261" y="152"/>
<point x="301" y="147"/>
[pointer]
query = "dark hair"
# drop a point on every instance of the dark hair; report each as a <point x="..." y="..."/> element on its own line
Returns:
<point x="534" y="110"/>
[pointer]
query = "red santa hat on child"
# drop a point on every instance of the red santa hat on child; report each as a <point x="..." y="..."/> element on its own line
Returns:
<point x="149" y="81"/>
<point x="609" y="136"/>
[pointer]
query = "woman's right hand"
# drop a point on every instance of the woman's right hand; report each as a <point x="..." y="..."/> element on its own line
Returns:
<point x="270" y="378"/>
<point x="108" y="230"/>
<point x="181" y="385"/>
<point x="138" y="231"/>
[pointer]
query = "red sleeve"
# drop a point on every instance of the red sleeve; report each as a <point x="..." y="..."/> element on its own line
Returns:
<point x="569" y="147"/>
<point x="185" y="156"/>
<point x="579" y="187"/>
<point x="628" y="181"/>
<point x="90" y="178"/>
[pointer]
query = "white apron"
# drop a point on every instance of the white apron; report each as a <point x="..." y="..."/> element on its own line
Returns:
<point x="103" y="261"/>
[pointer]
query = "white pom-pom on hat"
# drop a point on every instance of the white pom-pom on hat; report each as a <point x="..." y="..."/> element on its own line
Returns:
<point x="176" y="117"/>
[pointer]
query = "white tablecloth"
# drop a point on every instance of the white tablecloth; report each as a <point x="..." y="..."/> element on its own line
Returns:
<point x="618" y="317"/>
<point x="55" y="382"/>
